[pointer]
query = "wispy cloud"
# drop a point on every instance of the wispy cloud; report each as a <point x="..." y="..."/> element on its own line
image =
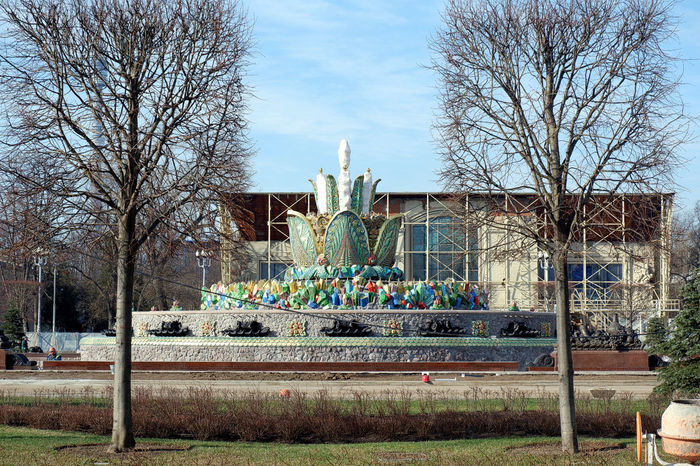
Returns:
<point x="354" y="69"/>
<point x="328" y="70"/>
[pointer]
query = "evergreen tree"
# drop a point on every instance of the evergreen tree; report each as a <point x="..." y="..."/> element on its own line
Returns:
<point x="683" y="374"/>
<point x="12" y="324"/>
<point x="657" y="333"/>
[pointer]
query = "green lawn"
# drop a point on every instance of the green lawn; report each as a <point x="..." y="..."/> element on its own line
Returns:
<point x="32" y="446"/>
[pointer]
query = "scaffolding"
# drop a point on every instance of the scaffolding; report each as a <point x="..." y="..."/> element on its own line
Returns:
<point x="610" y="246"/>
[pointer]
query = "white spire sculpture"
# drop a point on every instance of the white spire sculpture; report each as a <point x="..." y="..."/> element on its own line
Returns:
<point x="344" y="189"/>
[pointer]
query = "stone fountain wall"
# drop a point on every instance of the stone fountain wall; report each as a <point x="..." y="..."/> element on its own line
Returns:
<point x="278" y="321"/>
<point x="206" y="343"/>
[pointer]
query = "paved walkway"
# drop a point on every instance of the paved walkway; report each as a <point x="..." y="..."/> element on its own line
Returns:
<point x="337" y="385"/>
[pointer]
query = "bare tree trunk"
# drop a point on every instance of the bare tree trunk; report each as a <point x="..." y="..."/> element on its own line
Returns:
<point x="162" y="296"/>
<point x="122" y="431"/>
<point x="569" y="440"/>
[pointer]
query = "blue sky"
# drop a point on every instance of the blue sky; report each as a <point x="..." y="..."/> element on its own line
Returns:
<point x="327" y="70"/>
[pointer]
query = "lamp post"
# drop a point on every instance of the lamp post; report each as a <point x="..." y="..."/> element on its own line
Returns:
<point x="53" y="302"/>
<point x="543" y="259"/>
<point x="203" y="261"/>
<point x="40" y="262"/>
<point x="544" y="262"/>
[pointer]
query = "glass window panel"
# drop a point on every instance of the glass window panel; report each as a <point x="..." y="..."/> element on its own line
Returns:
<point x="613" y="273"/>
<point x="418" y="238"/>
<point x="447" y="242"/>
<point x="277" y="270"/>
<point x="576" y="272"/>
<point x="593" y="272"/>
<point x="418" y="262"/>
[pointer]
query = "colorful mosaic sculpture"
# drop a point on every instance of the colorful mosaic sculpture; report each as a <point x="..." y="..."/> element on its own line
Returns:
<point x="344" y="259"/>
<point x="345" y="232"/>
<point x="357" y="293"/>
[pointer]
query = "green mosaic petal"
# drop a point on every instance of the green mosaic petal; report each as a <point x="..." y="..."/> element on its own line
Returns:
<point x="332" y="194"/>
<point x="385" y="249"/>
<point x="371" y="196"/>
<point x="313" y="183"/>
<point x="301" y="238"/>
<point x="356" y="205"/>
<point x="346" y="240"/>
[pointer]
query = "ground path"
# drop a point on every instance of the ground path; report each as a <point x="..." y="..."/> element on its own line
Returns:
<point x="342" y="385"/>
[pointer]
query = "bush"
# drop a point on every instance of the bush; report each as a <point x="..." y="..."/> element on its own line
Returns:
<point x="204" y="415"/>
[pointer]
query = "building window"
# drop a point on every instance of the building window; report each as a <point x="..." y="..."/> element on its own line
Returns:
<point x="277" y="270"/>
<point x="448" y="248"/>
<point x="597" y="277"/>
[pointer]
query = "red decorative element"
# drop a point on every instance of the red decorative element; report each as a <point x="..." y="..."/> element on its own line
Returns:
<point x="372" y="260"/>
<point x="321" y="260"/>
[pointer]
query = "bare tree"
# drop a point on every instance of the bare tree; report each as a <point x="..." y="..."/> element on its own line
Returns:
<point x="685" y="250"/>
<point x="565" y="102"/>
<point x="135" y="109"/>
<point x="26" y="224"/>
<point x="634" y="300"/>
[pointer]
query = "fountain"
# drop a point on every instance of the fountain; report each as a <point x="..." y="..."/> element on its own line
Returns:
<point x="343" y="300"/>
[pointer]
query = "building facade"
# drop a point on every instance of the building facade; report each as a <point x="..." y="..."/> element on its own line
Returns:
<point x="618" y="268"/>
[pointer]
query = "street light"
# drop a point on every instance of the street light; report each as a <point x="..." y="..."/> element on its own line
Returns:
<point x="53" y="306"/>
<point x="39" y="261"/>
<point x="543" y="258"/>
<point x="203" y="261"/>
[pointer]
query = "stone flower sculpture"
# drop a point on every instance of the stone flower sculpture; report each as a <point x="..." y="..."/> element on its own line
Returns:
<point x="345" y="238"/>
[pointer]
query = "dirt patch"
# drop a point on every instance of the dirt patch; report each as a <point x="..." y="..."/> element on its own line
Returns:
<point x="142" y="451"/>
<point x="554" y="449"/>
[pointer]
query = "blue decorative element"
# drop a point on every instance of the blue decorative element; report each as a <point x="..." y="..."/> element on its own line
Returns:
<point x="325" y="272"/>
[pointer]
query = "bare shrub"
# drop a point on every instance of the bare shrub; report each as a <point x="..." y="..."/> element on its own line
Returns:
<point x="204" y="414"/>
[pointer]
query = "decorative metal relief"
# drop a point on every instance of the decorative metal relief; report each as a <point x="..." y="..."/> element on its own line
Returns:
<point x="480" y="328"/>
<point x="296" y="328"/>
<point x="393" y="328"/>
<point x="545" y="329"/>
